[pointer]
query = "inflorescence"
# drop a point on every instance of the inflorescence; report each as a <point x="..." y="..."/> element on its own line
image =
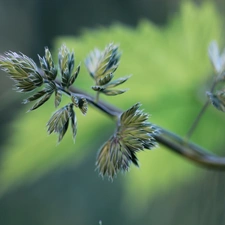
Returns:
<point x="133" y="133"/>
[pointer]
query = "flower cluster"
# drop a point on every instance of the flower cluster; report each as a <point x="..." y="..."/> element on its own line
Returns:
<point x="134" y="133"/>
<point x="22" y="70"/>
<point x="101" y="66"/>
<point x="28" y="77"/>
<point x="47" y="65"/>
<point x="59" y="122"/>
<point x="66" y="65"/>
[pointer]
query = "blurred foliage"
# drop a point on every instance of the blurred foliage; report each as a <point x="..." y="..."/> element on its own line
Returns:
<point x="170" y="68"/>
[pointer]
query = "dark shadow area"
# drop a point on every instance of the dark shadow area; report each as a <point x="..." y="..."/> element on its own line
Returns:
<point x="63" y="197"/>
<point x="73" y="196"/>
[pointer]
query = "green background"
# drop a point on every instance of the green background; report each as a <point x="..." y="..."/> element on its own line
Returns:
<point x="58" y="184"/>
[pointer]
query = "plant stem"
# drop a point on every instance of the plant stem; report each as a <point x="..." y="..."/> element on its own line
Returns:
<point x="197" y="119"/>
<point x="197" y="149"/>
<point x="103" y="107"/>
<point x="172" y="141"/>
<point x="211" y="161"/>
<point x="97" y="97"/>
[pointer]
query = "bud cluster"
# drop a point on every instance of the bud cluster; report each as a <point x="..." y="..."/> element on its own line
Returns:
<point x="133" y="134"/>
<point x="101" y="66"/>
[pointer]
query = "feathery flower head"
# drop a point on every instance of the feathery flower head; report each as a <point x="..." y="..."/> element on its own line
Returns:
<point x="134" y="133"/>
<point x="22" y="70"/>
<point x="101" y="66"/>
<point x="66" y="65"/>
<point x="47" y="65"/>
<point x="59" y="121"/>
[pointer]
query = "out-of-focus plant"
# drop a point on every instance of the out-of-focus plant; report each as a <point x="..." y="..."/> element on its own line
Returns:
<point x="133" y="132"/>
<point x="215" y="97"/>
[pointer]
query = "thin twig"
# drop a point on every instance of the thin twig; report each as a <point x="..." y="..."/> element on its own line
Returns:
<point x="97" y="97"/>
<point x="197" y="119"/>
<point x="103" y="107"/>
<point x="202" y="111"/>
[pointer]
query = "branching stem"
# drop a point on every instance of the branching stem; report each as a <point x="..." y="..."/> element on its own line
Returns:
<point x="110" y="111"/>
<point x="170" y="140"/>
